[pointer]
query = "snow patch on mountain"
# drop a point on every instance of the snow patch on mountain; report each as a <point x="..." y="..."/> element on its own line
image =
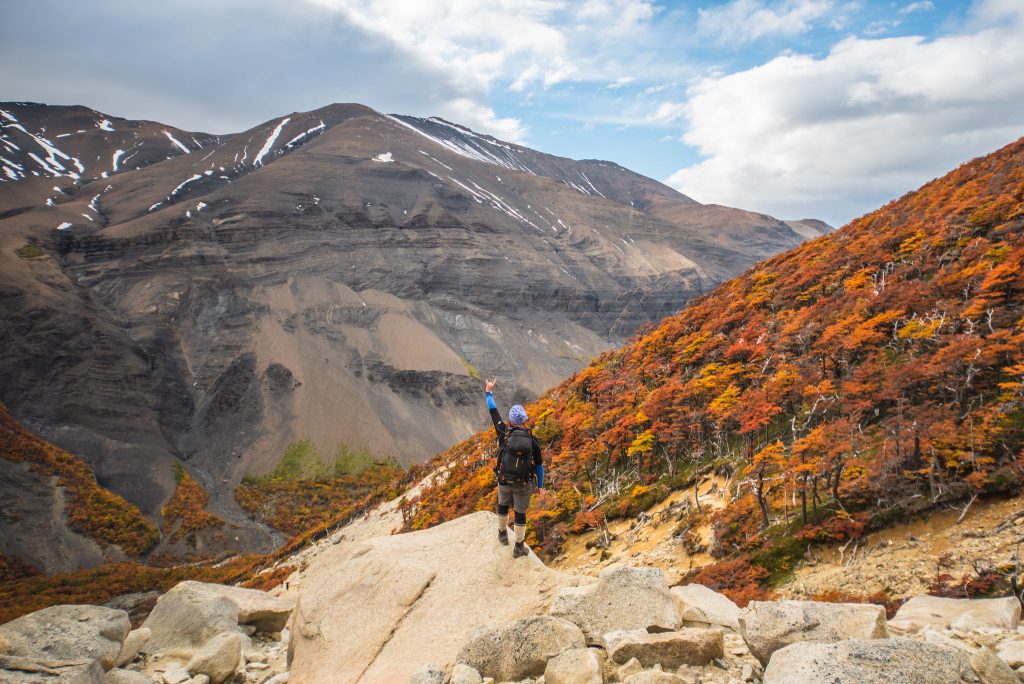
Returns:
<point x="269" y="144"/>
<point x="304" y="134"/>
<point x="177" y="142"/>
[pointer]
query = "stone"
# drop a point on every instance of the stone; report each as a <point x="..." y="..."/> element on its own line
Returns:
<point x="187" y="617"/>
<point x="24" y="670"/>
<point x="119" y="676"/>
<point x="991" y="669"/>
<point x="697" y="603"/>
<point x="199" y="679"/>
<point x="653" y="677"/>
<point x="278" y="679"/>
<point x="256" y="608"/>
<point x="68" y="633"/>
<point x="427" y="674"/>
<point x="961" y="614"/>
<point x="632" y="667"/>
<point x="574" y="666"/>
<point x="133" y="645"/>
<point x="869" y="661"/>
<point x="218" y="657"/>
<point x="1012" y="652"/>
<point x="464" y="674"/>
<point x="175" y="675"/>
<point x="747" y="672"/>
<point x="767" y="626"/>
<point x="623" y="598"/>
<point x="520" y="648"/>
<point x="690" y="646"/>
<point x="446" y="581"/>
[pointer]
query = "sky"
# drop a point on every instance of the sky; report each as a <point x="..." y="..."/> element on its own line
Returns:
<point x="797" y="108"/>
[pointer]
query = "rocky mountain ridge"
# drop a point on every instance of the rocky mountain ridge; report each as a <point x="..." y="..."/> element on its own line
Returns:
<point x="344" y="276"/>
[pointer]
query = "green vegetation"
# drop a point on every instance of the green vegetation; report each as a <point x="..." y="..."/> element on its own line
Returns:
<point x="30" y="252"/>
<point x="473" y="372"/>
<point x="301" y="461"/>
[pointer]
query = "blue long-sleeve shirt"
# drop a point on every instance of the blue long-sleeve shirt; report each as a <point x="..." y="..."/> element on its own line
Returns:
<point x="501" y="430"/>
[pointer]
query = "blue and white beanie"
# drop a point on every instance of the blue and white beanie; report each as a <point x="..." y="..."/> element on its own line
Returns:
<point x="517" y="415"/>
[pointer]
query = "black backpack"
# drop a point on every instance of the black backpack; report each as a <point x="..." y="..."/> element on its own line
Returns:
<point x="516" y="457"/>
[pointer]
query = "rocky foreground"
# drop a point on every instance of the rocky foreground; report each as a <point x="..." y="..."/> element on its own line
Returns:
<point x="451" y="605"/>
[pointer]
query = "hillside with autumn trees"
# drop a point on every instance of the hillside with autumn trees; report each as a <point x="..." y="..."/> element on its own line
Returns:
<point x="868" y="375"/>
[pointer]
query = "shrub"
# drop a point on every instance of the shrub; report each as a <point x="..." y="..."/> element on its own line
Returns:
<point x="188" y="505"/>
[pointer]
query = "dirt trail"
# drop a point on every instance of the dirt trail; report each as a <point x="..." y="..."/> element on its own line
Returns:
<point x="649" y="539"/>
<point x="903" y="560"/>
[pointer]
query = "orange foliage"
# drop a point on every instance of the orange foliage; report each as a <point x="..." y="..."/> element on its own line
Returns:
<point x="96" y="513"/>
<point x="298" y="506"/>
<point x="881" y="361"/>
<point x="187" y="505"/>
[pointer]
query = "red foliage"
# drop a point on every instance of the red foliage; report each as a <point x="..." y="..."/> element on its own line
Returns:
<point x="879" y="598"/>
<point x="739" y="579"/>
<point x="884" y="361"/>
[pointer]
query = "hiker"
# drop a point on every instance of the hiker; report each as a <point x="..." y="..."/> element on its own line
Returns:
<point x="518" y="462"/>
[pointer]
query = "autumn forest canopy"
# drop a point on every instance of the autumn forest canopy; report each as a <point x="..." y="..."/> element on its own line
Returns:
<point x="865" y="375"/>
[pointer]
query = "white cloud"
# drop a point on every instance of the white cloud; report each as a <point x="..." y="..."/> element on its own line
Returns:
<point x="920" y="6"/>
<point x="477" y="45"/>
<point x="837" y="136"/>
<point x="743" y="21"/>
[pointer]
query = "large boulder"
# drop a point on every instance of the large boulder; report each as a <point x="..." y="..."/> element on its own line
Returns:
<point x="575" y="666"/>
<point x="697" y="603"/>
<point x="464" y="674"/>
<point x="767" y="626"/>
<point x="1012" y="652"/>
<point x="991" y="669"/>
<point x="671" y="650"/>
<point x="427" y="674"/>
<point x="869" y="661"/>
<point x="961" y="614"/>
<point x="218" y="657"/>
<point x="257" y="608"/>
<point x="25" y="670"/>
<point x="623" y="598"/>
<point x="133" y="645"/>
<point x="118" y="676"/>
<point x="187" y="617"/>
<point x="377" y="609"/>
<point x="520" y="648"/>
<point x="67" y="633"/>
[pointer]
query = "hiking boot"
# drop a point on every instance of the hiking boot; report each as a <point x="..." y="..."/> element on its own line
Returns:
<point x="519" y="550"/>
<point x="503" y="537"/>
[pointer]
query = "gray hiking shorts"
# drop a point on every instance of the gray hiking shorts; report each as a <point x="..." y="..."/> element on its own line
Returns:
<point x="515" y="495"/>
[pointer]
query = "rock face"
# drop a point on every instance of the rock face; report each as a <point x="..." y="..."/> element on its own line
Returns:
<point x="188" y="616"/>
<point x="133" y="645"/>
<point x="869" y="661"/>
<point x="520" y="648"/>
<point x="697" y="603"/>
<point x="218" y="657"/>
<point x="210" y="302"/>
<point x="575" y="666"/>
<point x="767" y="626"/>
<point x="445" y="582"/>
<point x="668" y="649"/>
<point x="67" y="633"/>
<point x="963" y="614"/>
<point x="623" y="598"/>
<point x="257" y="608"/>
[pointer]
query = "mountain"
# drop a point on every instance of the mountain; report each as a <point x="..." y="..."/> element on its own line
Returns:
<point x="340" y="276"/>
<point x="852" y="382"/>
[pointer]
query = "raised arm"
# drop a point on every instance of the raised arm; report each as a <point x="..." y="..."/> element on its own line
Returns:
<point x="492" y="408"/>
